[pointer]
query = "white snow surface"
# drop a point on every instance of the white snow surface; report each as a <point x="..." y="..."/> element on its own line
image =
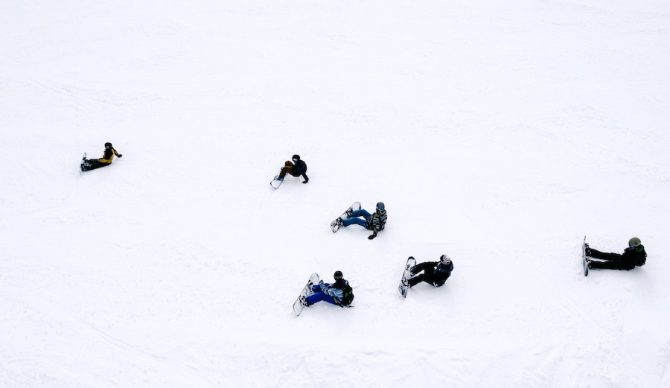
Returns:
<point x="498" y="132"/>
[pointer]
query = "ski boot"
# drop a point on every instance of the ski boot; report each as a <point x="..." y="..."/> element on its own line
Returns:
<point x="587" y="250"/>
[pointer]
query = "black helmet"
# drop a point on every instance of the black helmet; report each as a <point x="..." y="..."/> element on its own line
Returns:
<point x="338" y="275"/>
<point x="380" y="206"/>
<point x="295" y="157"/>
<point x="108" y="144"/>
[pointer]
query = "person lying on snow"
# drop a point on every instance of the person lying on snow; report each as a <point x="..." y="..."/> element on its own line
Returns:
<point x="633" y="256"/>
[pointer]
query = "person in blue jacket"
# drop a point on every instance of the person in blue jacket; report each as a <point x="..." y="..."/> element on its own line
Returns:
<point x="338" y="293"/>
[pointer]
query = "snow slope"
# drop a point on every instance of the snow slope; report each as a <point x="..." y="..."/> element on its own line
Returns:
<point x="497" y="132"/>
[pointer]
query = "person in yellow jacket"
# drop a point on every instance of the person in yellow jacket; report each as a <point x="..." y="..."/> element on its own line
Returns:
<point x="106" y="160"/>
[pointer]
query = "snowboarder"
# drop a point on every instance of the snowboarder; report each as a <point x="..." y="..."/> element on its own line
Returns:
<point x="374" y="222"/>
<point x="296" y="168"/>
<point x="434" y="273"/>
<point x="633" y="256"/>
<point x="106" y="160"/>
<point x="338" y="293"/>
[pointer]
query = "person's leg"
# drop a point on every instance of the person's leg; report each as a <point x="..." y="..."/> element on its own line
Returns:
<point x="92" y="164"/>
<point x="420" y="267"/>
<point x="287" y="167"/>
<point x="414" y="280"/>
<point x="361" y="213"/>
<point x="293" y="172"/>
<point x="596" y="254"/>
<point x="609" y="265"/>
<point x="317" y="287"/>
<point x="319" y="297"/>
<point x="357" y="221"/>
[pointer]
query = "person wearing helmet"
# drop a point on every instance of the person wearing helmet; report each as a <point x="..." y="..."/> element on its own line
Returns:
<point x="338" y="293"/>
<point x="296" y="168"/>
<point x="374" y="222"/>
<point x="434" y="273"/>
<point x="633" y="256"/>
<point x="106" y="160"/>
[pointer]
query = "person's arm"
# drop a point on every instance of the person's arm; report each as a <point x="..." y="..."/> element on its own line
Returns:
<point x="376" y="226"/>
<point x="423" y="266"/>
<point x="116" y="153"/>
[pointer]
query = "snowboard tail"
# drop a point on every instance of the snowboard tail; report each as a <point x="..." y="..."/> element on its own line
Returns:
<point x="585" y="260"/>
<point x="276" y="182"/>
<point x="407" y="273"/>
<point x="337" y="223"/>
<point x="306" y="291"/>
<point x="82" y="166"/>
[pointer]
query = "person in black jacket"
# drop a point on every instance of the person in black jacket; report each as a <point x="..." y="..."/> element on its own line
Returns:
<point x="633" y="256"/>
<point x="296" y="168"/>
<point x="434" y="273"/>
<point x="374" y="222"/>
<point x="106" y="160"/>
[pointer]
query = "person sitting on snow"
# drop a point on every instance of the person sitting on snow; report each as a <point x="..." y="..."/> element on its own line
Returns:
<point x="374" y="222"/>
<point x="338" y="293"/>
<point x="106" y="160"/>
<point x="434" y="273"/>
<point x="296" y="168"/>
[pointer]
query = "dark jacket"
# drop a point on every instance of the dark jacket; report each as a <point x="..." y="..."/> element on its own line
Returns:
<point x="440" y="274"/>
<point x="378" y="221"/>
<point x="337" y="291"/>
<point x="339" y="283"/>
<point x="300" y="167"/>
<point x="632" y="257"/>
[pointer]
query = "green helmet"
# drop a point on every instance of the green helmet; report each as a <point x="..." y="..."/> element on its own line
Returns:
<point x="634" y="242"/>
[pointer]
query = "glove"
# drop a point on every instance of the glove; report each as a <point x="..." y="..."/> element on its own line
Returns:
<point x="373" y="235"/>
<point x="120" y="156"/>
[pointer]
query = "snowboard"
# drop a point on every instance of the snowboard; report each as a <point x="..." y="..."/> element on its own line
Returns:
<point x="404" y="286"/>
<point x="336" y="224"/>
<point x="585" y="261"/>
<point x="276" y="182"/>
<point x="306" y="291"/>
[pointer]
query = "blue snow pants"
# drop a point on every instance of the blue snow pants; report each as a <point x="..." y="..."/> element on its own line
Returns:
<point x="319" y="296"/>
<point x="358" y="221"/>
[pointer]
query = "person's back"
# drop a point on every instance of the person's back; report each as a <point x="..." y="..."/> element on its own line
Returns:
<point x="441" y="272"/>
<point x="634" y="256"/>
<point x="378" y="220"/>
<point x="109" y="153"/>
<point x="300" y="167"/>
